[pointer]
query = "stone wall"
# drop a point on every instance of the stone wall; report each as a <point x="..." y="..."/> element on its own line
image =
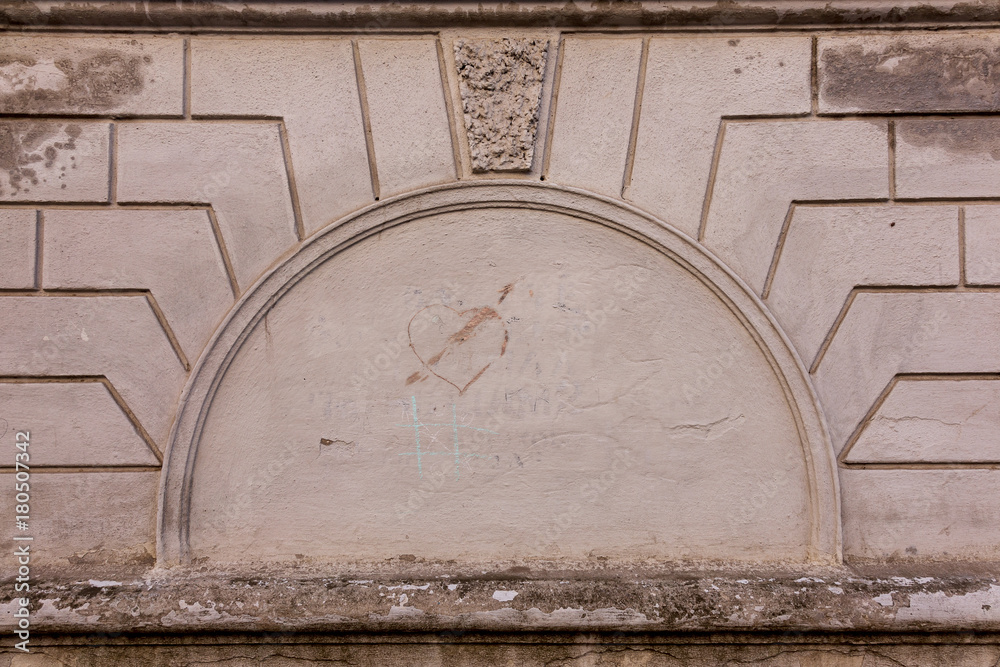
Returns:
<point x="651" y="333"/>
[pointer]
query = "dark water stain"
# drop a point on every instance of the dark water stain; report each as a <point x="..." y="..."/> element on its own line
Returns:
<point x="959" y="73"/>
<point x="968" y="136"/>
<point x="26" y="147"/>
<point x="101" y="81"/>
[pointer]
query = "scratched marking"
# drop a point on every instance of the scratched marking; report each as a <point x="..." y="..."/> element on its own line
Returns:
<point x="455" y="451"/>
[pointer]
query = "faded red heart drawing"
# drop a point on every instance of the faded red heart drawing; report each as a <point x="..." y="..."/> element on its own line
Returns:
<point x="457" y="346"/>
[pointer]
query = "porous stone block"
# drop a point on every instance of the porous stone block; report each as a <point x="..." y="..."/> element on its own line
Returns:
<point x="765" y="166"/>
<point x="311" y="84"/>
<point x="947" y="157"/>
<point x="96" y="519"/>
<point x="593" y="118"/>
<point x="238" y="168"/>
<point x="53" y="160"/>
<point x="692" y="82"/>
<point x="409" y="119"/>
<point x="173" y="254"/>
<point x="955" y="71"/>
<point x="133" y="75"/>
<point x="500" y="82"/>
<point x="18" y="248"/>
<point x="982" y="245"/>
<point x="829" y="250"/>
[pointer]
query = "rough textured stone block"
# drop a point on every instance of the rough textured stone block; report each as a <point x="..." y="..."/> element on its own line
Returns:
<point x="828" y="250"/>
<point x="174" y="254"/>
<point x="887" y="333"/>
<point x="930" y="419"/>
<point x="47" y="74"/>
<point x="920" y="514"/>
<point x="948" y="157"/>
<point x="54" y="161"/>
<point x="311" y="84"/>
<point x="764" y="166"/>
<point x="18" y="231"/>
<point x="89" y="428"/>
<point x="500" y="81"/>
<point x="593" y="118"/>
<point x="909" y="73"/>
<point x="690" y="83"/>
<point x="409" y="119"/>
<point x="982" y="245"/>
<point x="238" y="168"/>
<point x="101" y="519"/>
<point x="115" y="336"/>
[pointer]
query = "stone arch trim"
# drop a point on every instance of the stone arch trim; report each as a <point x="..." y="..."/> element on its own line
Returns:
<point x="181" y="453"/>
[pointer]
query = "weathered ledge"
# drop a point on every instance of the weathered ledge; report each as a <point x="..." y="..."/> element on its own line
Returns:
<point x="420" y="597"/>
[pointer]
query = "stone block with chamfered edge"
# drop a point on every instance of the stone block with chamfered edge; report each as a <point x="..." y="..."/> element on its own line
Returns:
<point x="593" y="118"/>
<point x="116" y="336"/>
<point x="829" y="250"/>
<point x="409" y="118"/>
<point x="885" y="333"/>
<point x="765" y="166"/>
<point x="311" y="84"/>
<point x="100" y="519"/>
<point x="920" y="514"/>
<point x="88" y="429"/>
<point x="982" y="244"/>
<point x="933" y="419"/>
<point x="18" y="230"/>
<point x="692" y="82"/>
<point x="238" y="168"/>
<point x="947" y="157"/>
<point x="173" y="254"/>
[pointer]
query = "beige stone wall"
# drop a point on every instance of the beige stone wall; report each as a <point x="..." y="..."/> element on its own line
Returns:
<point x="407" y="294"/>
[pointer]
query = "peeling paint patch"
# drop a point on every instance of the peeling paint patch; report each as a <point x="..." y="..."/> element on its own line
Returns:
<point x="945" y="607"/>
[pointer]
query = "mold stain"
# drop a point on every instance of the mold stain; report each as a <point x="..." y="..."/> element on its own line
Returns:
<point x="28" y="148"/>
<point x="98" y="82"/>
<point x="958" y="74"/>
<point x="964" y="136"/>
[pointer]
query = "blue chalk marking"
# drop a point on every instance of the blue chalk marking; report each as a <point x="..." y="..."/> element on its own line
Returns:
<point x="456" y="453"/>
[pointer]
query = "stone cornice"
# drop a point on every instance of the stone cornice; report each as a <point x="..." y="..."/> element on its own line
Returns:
<point x="391" y="16"/>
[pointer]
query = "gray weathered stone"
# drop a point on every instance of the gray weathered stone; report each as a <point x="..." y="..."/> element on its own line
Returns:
<point x="501" y="82"/>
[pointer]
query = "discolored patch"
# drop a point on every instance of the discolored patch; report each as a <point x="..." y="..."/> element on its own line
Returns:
<point x="910" y="74"/>
<point x="29" y="151"/>
<point x="969" y="136"/>
<point x="102" y="80"/>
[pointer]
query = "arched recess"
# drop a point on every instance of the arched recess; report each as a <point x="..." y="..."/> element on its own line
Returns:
<point x="486" y="319"/>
